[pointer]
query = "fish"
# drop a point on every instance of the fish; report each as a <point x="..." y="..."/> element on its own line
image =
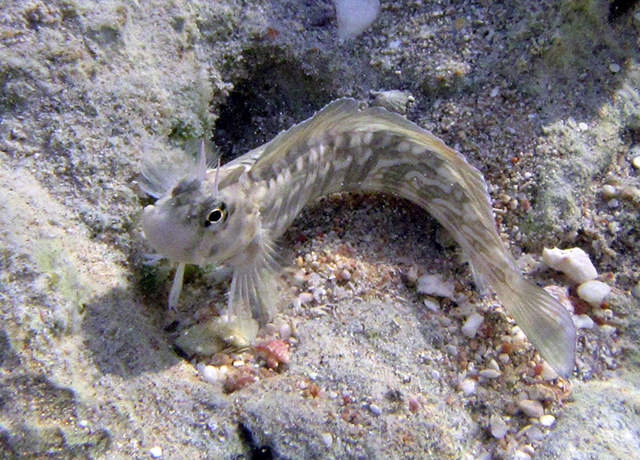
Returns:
<point x="233" y="215"/>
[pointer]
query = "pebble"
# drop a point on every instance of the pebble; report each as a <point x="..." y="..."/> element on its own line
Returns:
<point x="498" y="427"/>
<point x="285" y="331"/>
<point x="535" y="434"/>
<point x="607" y="330"/>
<point x="531" y="408"/>
<point x="583" y="322"/>
<point x="305" y="298"/>
<point x="636" y="290"/>
<point x="155" y="452"/>
<point x="519" y="455"/>
<point x="489" y="373"/>
<point x="609" y="191"/>
<point x="394" y="100"/>
<point x="593" y="292"/>
<point x="327" y="439"/>
<point x="345" y="275"/>
<point x="541" y="392"/>
<point x="211" y="374"/>
<point x="435" y="285"/>
<point x="375" y="409"/>
<point x="467" y="386"/>
<point x="574" y="262"/>
<point x="547" y="372"/>
<point x="547" y="420"/>
<point x="432" y="304"/>
<point x="472" y="324"/>
<point x="614" y="68"/>
<point x="636" y="162"/>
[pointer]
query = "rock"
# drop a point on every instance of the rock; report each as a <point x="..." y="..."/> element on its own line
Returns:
<point x="489" y="373"/>
<point x="541" y="392"/>
<point x="498" y="426"/>
<point x="472" y="324"/>
<point x="548" y="373"/>
<point x="594" y="292"/>
<point x="583" y="322"/>
<point x="574" y="262"/>
<point x="531" y="408"/>
<point x="547" y="420"/>
<point x="354" y="16"/>
<point x="467" y="386"/>
<point x="436" y="286"/>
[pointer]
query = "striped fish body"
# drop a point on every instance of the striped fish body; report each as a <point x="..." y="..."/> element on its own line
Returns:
<point x="343" y="149"/>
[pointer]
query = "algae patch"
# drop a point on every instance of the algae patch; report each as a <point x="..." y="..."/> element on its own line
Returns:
<point x="60" y="277"/>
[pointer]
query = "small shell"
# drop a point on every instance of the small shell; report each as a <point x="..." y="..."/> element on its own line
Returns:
<point x="394" y="100"/>
<point x="275" y="351"/>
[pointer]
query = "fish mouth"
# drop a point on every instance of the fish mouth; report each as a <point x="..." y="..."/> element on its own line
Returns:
<point x="173" y="241"/>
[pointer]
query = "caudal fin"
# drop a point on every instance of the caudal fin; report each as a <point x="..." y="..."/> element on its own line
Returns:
<point x="545" y="322"/>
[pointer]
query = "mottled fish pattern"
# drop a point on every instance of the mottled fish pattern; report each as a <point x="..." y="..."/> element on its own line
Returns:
<point x="232" y="215"/>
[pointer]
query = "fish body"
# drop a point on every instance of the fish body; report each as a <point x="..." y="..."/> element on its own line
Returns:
<point x="232" y="215"/>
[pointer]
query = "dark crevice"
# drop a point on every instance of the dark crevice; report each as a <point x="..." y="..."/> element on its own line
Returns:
<point x="256" y="451"/>
<point x="277" y="93"/>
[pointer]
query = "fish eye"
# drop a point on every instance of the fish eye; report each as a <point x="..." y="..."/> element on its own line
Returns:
<point x="216" y="215"/>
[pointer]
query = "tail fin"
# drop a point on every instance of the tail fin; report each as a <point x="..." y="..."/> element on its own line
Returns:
<point x="545" y="322"/>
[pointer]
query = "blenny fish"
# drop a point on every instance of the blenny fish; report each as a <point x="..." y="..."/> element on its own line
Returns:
<point x="232" y="215"/>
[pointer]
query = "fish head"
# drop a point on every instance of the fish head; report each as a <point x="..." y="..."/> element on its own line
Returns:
<point x="196" y="223"/>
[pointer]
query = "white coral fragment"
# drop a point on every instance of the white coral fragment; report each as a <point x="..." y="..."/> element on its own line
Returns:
<point x="354" y="16"/>
<point x="594" y="292"/>
<point x="434" y="285"/>
<point x="574" y="262"/>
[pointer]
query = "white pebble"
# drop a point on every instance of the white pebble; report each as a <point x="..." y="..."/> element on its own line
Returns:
<point x="548" y="373"/>
<point x="583" y="322"/>
<point x="435" y="285"/>
<point x="211" y="374"/>
<point x="375" y="410"/>
<point x="305" y="298"/>
<point x="472" y="324"/>
<point x="636" y="162"/>
<point x="432" y="304"/>
<point x="285" y="331"/>
<point x="345" y="275"/>
<point x="495" y="91"/>
<point x="574" y="262"/>
<point x="547" y="420"/>
<point x="467" y="386"/>
<point x="614" y="68"/>
<point x="155" y="452"/>
<point x="327" y="439"/>
<point x="609" y="191"/>
<point x="593" y="292"/>
<point x="583" y="126"/>
<point x="519" y="455"/>
<point x="607" y="330"/>
<point x="489" y="373"/>
<point x="531" y="408"/>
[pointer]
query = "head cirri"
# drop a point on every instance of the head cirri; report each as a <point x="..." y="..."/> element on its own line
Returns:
<point x="195" y="222"/>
